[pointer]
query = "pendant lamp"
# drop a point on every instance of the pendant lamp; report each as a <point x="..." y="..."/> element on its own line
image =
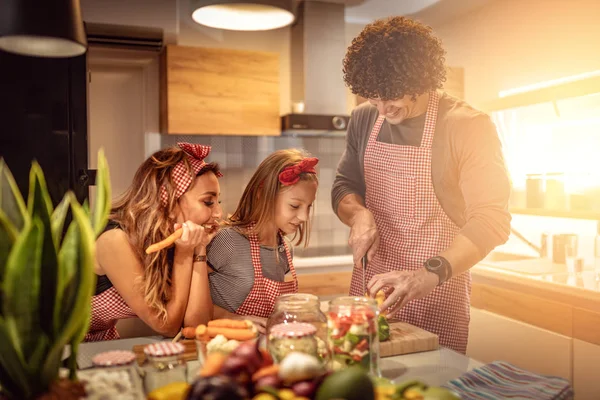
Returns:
<point x="42" y="28"/>
<point x="243" y="15"/>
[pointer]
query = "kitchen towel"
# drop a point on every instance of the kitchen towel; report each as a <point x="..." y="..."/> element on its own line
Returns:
<point x="502" y="380"/>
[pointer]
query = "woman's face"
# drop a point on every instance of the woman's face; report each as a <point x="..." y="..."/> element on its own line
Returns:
<point x="201" y="203"/>
<point x="292" y="206"/>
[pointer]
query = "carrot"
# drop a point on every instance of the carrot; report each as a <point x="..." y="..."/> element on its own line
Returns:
<point x="229" y="333"/>
<point x="189" y="332"/>
<point x="228" y="323"/>
<point x="265" y="371"/>
<point x="201" y="333"/>
<point x="212" y="364"/>
<point x="163" y="244"/>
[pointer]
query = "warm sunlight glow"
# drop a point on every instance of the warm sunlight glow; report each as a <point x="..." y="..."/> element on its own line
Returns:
<point x="243" y="17"/>
<point x="545" y="84"/>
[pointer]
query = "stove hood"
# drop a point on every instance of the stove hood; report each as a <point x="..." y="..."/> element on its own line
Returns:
<point x="318" y="46"/>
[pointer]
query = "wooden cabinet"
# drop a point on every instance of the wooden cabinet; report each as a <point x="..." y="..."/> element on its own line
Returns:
<point x="208" y="91"/>
<point x="586" y="375"/>
<point x="494" y="337"/>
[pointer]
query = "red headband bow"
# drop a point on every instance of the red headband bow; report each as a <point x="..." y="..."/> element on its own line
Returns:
<point x="291" y="175"/>
<point x="196" y="153"/>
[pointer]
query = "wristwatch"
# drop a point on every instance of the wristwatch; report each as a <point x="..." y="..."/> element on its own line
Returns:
<point x="439" y="266"/>
<point x="200" y="258"/>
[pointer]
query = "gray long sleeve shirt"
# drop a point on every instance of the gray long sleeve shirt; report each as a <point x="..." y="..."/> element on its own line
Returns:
<point x="468" y="171"/>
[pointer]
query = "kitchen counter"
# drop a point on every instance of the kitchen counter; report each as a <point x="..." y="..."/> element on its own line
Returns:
<point x="432" y="367"/>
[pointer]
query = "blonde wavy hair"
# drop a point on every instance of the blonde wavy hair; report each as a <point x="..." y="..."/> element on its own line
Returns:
<point x="145" y="220"/>
<point x="257" y="202"/>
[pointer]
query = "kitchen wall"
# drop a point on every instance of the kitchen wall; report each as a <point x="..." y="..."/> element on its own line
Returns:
<point x="513" y="43"/>
<point x="238" y="157"/>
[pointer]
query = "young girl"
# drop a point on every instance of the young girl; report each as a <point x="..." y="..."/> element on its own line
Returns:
<point x="174" y="188"/>
<point x="250" y="259"/>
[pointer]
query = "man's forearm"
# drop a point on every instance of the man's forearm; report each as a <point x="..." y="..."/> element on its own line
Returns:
<point x="349" y="206"/>
<point x="462" y="254"/>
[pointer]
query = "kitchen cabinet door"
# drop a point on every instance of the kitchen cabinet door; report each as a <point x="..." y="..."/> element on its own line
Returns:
<point x="586" y="374"/>
<point x="208" y="91"/>
<point x="494" y="337"/>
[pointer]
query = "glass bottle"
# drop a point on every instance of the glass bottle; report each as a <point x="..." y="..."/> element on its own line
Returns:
<point x="291" y="337"/>
<point x="352" y="333"/>
<point x="165" y="365"/>
<point x="302" y="307"/>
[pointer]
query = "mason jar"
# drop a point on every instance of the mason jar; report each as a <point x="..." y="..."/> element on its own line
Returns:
<point x="352" y="333"/>
<point x="306" y="308"/>
<point x="165" y="365"/>
<point x="286" y="338"/>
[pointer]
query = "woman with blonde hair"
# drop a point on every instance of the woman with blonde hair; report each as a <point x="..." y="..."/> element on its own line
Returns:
<point x="174" y="188"/>
<point x="249" y="259"/>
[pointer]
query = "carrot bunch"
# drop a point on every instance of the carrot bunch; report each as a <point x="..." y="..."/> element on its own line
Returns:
<point x="232" y="329"/>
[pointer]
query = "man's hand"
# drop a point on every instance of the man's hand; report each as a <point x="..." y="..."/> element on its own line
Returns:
<point x="364" y="236"/>
<point x="405" y="286"/>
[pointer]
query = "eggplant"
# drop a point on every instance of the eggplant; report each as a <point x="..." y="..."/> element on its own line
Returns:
<point x="216" y="388"/>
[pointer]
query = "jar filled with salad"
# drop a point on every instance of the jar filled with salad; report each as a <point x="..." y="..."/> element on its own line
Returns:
<point x="353" y="334"/>
<point x="306" y="308"/>
<point x="295" y="337"/>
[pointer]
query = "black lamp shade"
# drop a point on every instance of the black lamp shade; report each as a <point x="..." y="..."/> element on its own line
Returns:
<point x="243" y="15"/>
<point x="42" y="28"/>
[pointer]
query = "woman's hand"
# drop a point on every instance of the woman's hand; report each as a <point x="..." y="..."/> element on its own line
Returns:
<point x="194" y="239"/>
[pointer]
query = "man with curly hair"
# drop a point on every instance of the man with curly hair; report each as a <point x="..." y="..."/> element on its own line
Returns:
<point x="422" y="183"/>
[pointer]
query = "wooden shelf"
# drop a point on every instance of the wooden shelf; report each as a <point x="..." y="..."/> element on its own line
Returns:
<point x="591" y="215"/>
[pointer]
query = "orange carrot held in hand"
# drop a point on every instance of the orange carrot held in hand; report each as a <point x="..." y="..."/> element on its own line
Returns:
<point x="163" y="244"/>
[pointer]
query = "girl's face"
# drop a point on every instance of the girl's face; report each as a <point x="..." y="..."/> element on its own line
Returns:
<point x="293" y="204"/>
<point x="201" y="203"/>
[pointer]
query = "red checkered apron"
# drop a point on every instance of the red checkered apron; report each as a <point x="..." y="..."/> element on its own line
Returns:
<point x="413" y="227"/>
<point x="261" y="299"/>
<point x="107" y="308"/>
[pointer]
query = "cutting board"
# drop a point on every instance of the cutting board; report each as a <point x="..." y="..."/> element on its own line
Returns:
<point x="190" y="352"/>
<point x="406" y="338"/>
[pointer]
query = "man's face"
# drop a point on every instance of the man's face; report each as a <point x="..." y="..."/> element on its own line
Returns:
<point x="395" y="111"/>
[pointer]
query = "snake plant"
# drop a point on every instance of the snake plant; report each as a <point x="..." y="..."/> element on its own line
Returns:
<point x="46" y="279"/>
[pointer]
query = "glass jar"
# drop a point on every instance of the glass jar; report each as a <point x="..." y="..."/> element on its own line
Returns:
<point x="115" y="375"/>
<point x="165" y="365"/>
<point x="352" y="333"/>
<point x="291" y="337"/>
<point x="302" y="307"/>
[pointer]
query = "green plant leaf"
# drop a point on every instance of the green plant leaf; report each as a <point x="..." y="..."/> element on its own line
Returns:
<point x="39" y="204"/>
<point x="11" y="200"/>
<point x="75" y="345"/>
<point x="21" y="288"/>
<point x="81" y="309"/>
<point x="58" y="219"/>
<point x="8" y="235"/>
<point x="68" y="279"/>
<point x="13" y="374"/>
<point x="102" y="202"/>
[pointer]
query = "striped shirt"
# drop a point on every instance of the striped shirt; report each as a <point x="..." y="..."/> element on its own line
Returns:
<point x="233" y="277"/>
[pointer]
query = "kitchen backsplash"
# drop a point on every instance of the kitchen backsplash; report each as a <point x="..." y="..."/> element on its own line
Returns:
<point x="238" y="157"/>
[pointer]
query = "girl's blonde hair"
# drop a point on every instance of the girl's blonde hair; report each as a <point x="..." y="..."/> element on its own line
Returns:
<point x="258" y="200"/>
<point x="145" y="220"/>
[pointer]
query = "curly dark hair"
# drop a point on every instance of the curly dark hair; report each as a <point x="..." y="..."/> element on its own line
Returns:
<point x="394" y="57"/>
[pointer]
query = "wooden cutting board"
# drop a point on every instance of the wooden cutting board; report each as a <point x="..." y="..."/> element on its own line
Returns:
<point x="189" y="354"/>
<point x="406" y="338"/>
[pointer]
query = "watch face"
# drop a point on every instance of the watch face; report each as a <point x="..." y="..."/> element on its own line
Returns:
<point x="434" y="263"/>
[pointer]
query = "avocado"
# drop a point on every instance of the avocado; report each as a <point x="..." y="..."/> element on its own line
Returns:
<point x="352" y="383"/>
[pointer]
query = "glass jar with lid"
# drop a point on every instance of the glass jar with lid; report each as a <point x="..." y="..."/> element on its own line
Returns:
<point x="115" y="375"/>
<point x="352" y="333"/>
<point x="292" y="337"/>
<point x="165" y="365"/>
<point x="302" y="307"/>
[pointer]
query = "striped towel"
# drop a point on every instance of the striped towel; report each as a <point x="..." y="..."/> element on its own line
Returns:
<point x="501" y="380"/>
